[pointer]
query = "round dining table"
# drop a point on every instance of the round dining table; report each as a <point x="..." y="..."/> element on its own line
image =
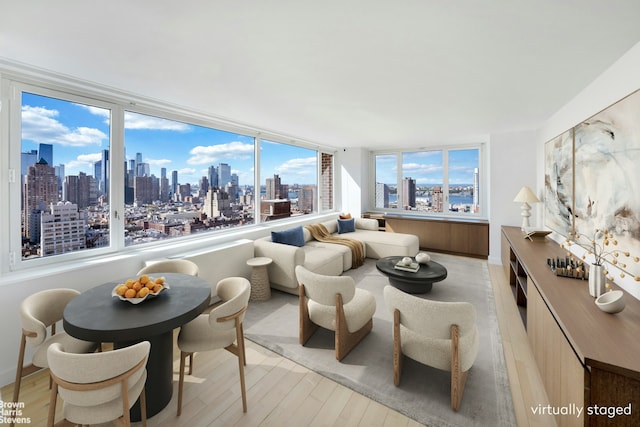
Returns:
<point x="96" y="315"/>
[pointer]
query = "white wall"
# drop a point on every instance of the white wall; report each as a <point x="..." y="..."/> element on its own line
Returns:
<point x="512" y="165"/>
<point x="352" y="168"/>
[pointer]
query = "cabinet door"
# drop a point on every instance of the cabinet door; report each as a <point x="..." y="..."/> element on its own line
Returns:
<point x="560" y="369"/>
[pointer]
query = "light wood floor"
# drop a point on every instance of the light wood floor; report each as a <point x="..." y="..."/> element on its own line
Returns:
<point x="281" y="392"/>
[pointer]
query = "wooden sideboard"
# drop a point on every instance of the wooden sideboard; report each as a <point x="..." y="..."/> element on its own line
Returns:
<point x="467" y="237"/>
<point x="588" y="359"/>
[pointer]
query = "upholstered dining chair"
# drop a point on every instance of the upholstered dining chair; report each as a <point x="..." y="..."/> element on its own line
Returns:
<point x="221" y="328"/>
<point x="443" y="335"/>
<point x="334" y="303"/>
<point x="38" y="312"/>
<point x="183" y="266"/>
<point x="100" y="387"/>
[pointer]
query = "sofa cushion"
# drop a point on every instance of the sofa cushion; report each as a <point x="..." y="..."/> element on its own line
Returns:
<point x="346" y="226"/>
<point x="292" y="236"/>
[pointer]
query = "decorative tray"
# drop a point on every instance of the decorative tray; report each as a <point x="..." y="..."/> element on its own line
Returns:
<point x="151" y="293"/>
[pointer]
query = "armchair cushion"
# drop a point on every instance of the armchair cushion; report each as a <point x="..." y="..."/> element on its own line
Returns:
<point x="292" y="236"/>
<point x="346" y="225"/>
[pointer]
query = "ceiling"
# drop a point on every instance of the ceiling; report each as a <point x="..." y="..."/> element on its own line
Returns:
<point x="363" y="73"/>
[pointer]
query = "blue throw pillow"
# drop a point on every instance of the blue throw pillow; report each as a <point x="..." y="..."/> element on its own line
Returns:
<point x="292" y="236"/>
<point x="346" y="225"/>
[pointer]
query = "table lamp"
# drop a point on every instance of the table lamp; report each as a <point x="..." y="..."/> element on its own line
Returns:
<point x="526" y="196"/>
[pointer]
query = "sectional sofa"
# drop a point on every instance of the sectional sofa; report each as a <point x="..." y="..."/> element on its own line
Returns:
<point x="330" y="258"/>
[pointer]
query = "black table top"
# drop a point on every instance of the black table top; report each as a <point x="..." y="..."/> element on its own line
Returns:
<point x="430" y="272"/>
<point x="95" y="315"/>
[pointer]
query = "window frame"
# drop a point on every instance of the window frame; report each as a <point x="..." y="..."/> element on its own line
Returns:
<point x="14" y="83"/>
<point x="483" y="182"/>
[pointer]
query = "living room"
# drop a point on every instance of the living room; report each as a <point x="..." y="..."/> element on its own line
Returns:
<point x="590" y="71"/>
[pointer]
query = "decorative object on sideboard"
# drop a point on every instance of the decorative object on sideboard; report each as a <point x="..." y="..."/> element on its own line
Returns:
<point x="568" y="267"/>
<point x="597" y="280"/>
<point x="526" y="196"/>
<point x="602" y="247"/>
<point x="611" y="302"/>
<point x="423" y="258"/>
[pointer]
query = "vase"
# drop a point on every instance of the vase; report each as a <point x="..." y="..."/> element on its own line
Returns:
<point x="597" y="280"/>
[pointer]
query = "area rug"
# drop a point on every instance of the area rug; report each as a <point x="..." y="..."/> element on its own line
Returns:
<point x="424" y="392"/>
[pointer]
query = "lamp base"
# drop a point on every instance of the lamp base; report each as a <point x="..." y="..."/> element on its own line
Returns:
<point x="526" y="213"/>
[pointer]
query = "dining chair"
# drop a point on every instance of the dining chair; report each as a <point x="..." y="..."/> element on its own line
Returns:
<point x="221" y="328"/>
<point x="183" y="266"/>
<point x="440" y="334"/>
<point x="334" y="303"/>
<point x="38" y="312"/>
<point x="100" y="387"/>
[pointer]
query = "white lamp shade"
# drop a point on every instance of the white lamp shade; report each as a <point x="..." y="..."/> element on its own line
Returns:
<point x="526" y="196"/>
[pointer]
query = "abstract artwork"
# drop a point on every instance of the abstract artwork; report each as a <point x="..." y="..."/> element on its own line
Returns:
<point x="558" y="183"/>
<point x="592" y="173"/>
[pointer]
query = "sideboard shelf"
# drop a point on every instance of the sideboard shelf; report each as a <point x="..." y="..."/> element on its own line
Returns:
<point x="586" y="357"/>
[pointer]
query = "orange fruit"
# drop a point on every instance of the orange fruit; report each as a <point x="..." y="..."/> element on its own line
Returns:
<point x="121" y="289"/>
<point x="157" y="288"/>
<point x="130" y="293"/>
<point x="143" y="279"/>
<point x="160" y="280"/>
<point x="143" y="292"/>
<point x="150" y="284"/>
<point x="137" y="286"/>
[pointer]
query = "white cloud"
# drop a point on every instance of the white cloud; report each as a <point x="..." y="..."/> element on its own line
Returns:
<point x="40" y="125"/>
<point x="158" y="162"/>
<point x="212" y="154"/>
<point x="300" y="166"/>
<point x="141" y="121"/>
<point x="84" y="162"/>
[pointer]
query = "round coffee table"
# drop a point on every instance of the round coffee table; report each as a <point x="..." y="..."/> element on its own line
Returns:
<point x="419" y="282"/>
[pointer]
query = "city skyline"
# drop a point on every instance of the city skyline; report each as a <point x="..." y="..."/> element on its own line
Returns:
<point x="79" y="133"/>
<point x="426" y="167"/>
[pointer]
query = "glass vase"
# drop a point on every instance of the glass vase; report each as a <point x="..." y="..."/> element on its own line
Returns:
<point x="597" y="280"/>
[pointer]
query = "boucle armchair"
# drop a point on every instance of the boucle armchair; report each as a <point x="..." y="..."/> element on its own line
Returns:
<point x="334" y="303"/>
<point x="440" y="334"/>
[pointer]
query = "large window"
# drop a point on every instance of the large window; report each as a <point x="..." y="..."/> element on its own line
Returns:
<point x="439" y="181"/>
<point x="64" y="176"/>
<point x="95" y="175"/>
<point x="182" y="179"/>
<point x="288" y="180"/>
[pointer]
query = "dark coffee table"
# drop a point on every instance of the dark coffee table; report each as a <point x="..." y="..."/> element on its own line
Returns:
<point x="419" y="282"/>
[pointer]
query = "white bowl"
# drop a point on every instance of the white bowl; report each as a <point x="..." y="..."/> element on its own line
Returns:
<point x="611" y="302"/>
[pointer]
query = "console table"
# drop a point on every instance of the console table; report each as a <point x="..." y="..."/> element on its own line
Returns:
<point x="588" y="359"/>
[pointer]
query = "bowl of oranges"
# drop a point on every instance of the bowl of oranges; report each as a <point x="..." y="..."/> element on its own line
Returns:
<point x="139" y="289"/>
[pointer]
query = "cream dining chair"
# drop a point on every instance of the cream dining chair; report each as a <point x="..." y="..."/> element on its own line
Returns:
<point x="38" y="312"/>
<point x="334" y="303"/>
<point x="183" y="266"/>
<point x="221" y="328"/>
<point x="100" y="387"/>
<point x="440" y="334"/>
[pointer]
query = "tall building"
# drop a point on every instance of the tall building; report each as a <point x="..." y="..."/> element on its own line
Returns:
<point x="103" y="179"/>
<point x="40" y="190"/>
<point x="408" y="193"/>
<point x="62" y="229"/>
<point x="273" y="188"/>
<point x="142" y="190"/>
<point x="216" y="203"/>
<point x="81" y="190"/>
<point x="45" y="151"/>
<point x="213" y="176"/>
<point x="307" y="199"/>
<point x="59" y="171"/>
<point x="174" y="182"/>
<point x="143" y="169"/>
<point x="27" y="159"/>
<point x="382" y="195"/>
<point x="437" y="199"/>
<point x="224" y="174"/>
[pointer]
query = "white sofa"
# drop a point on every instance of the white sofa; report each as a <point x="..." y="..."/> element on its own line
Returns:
<point x="330" y="258"/>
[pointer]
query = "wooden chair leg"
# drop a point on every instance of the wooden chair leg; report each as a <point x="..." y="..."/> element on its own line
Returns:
<point x="397" y="348"/>
<point x="241" y="362"/>
<point x="52" y="405"/>
<point x="16" y="384"/>
<point x="458" y="378"/>
<point x="143" y="408"/>
<point x="126" y="416"/>
<point x="345" y="341"/>
<point x="307" y="327"/>
<point x="191" y="364"/>
<point x="183" y="357"/>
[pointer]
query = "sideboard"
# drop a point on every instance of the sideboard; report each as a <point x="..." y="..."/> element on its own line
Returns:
<point x="589" y="360"/>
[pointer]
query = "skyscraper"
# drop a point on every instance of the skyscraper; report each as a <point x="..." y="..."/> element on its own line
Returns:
<point x="408" y="193"/>
<point x="224" y="174"/>
<point x="382" y="195"/>
<point x="45" y="151"/>
<point x="40" y="190"/>
<point x="174" y="182"/>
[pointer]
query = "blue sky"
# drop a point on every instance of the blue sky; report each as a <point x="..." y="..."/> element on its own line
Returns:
<point x="79" y="133"/>
<point x="426" y="167"/>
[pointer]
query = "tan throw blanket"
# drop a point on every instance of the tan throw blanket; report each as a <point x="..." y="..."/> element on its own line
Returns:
<point x="321" y="234"/>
